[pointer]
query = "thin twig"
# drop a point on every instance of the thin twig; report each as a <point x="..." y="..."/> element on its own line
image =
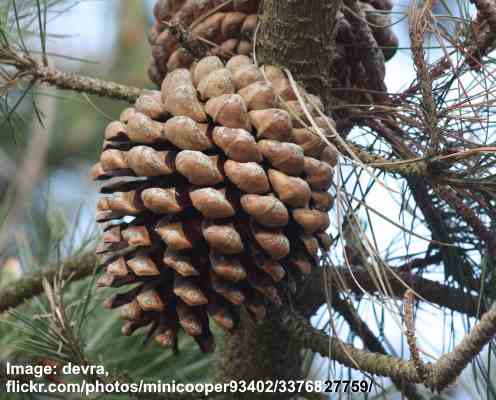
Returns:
<point x="408" y="311"/>
<point x="420" y="18"/>
<point x="28" y="68"/>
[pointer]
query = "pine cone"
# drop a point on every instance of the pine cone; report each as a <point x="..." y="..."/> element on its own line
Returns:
<point x="217" y="199"/>
<point x="186" y="29"/>
<point x="218" y="28"/>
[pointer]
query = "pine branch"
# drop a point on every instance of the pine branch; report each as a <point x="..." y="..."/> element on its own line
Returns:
<point x="450" y="365"/>
<point x="334" y="348"/>
<point x="408" y="167"/>
<point x="361" y="329"/>
<point x="421" y="263"/>
<point x="471" y="218"/>
<point x="438" y="376"/>
<point x="85" y="84"/>
<point x="449" y="297"/>
<point x="30" y="285"/>
<point x="312" y="295"/>
<point x="26" y="67"/>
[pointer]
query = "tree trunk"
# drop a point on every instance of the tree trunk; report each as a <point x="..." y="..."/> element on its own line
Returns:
<point x="297" y="35"/>
<point x="259" y="352"/>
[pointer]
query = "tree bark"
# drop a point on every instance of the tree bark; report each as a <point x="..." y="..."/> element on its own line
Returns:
<point x="259" y="352"/>
<point x="297" y="35"/>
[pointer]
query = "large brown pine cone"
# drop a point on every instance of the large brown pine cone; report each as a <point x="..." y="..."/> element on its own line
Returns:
<point x="227" y="29"/>
<point x="218" y="198"/>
